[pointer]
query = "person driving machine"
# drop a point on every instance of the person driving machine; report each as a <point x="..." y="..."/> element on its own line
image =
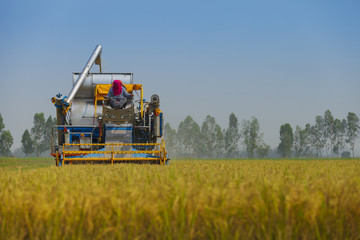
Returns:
<point x="118" y="95"/>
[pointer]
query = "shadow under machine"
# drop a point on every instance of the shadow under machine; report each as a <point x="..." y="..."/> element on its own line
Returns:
<point x="88" y="130"/>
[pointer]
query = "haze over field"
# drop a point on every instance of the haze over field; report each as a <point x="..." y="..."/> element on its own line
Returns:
<point x="279" y="61"/>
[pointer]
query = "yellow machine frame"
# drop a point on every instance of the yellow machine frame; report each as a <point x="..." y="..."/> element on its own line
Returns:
<point x="159" y="151"/>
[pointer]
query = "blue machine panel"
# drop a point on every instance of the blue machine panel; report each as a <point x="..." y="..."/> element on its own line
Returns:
<point x="118" y="133"/>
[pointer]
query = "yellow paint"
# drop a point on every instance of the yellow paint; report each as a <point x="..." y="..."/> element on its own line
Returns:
<point x="112" y="154"/>
<point x="102" y="90"/>
<point x="157" y="111"/>
<point x="114" y="144"/>
<point x="159" y="151"/>
<point x="66" y="109"/>
<point x="115" y="159"/>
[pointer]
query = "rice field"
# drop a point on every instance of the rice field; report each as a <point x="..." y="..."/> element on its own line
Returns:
<point x="189" y="199"/>
<point x="25" y="163"/>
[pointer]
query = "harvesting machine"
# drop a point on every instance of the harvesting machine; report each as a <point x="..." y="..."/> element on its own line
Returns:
<point x="88" y="130"/>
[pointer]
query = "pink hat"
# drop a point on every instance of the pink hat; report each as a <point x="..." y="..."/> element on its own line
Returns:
<point x="117" y="87"/>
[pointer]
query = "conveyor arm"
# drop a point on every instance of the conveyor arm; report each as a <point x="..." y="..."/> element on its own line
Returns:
<point x="95" y="57"/>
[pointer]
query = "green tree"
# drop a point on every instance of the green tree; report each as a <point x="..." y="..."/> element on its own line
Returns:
<point x="308" y="147"/>
<point x="328" y="131"/>
<point x="232" y="137"/>
<point x="37" y="133"/>
<point x="189" y="138"/>
<point x="352" y="130"/>
<point x="212" y="138"/>
<point x="299" y="141"/>
<point x="170" y="139"/>
<point x="2" y="126"/>
<point x="27" y="143"/>
<point x="262" y="150"/>
<point x="252" y="138"/>
<point x="286" y="140"/>
<point x="220" y="142"/>
<point x="337" y="136"/>
<point x="317" y="135"/>
<point x="6" y="141"/>
<point x="47" y="132"/>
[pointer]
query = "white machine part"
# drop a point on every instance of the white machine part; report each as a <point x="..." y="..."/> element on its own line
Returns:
<point x="83" y="106"/>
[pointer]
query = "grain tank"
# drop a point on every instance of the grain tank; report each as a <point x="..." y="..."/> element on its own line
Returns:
<point x="88" y="130"/>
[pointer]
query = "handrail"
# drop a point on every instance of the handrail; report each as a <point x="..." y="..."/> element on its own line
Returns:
<point x="114" y="144"/>
<point x="158" y="154"/>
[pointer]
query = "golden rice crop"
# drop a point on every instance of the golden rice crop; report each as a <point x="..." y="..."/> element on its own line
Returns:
<point x="244" y="199"/>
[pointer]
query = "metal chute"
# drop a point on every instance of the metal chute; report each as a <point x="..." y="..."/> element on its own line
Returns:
<point x="94" y="58"/>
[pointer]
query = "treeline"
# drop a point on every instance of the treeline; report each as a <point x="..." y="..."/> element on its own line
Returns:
<point x="210" y="141"/>
<point x="38" y="139"/>
<point x="328" y="137"/>
<point x="34" y="142"/>
<point x="6" y="140"/>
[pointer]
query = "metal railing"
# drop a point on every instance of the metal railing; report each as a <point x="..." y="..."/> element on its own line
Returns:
<point x="56" y="132"/>
<point x="113" y="153"/>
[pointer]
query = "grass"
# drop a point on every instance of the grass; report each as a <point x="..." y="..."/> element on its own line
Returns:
<point x="248" y="199"/>
<point x="26" y="163"/>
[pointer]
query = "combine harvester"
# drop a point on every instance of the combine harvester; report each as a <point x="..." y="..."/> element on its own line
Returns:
<point x="88" y="130"/>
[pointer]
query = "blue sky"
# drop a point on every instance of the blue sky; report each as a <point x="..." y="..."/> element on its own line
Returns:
<point x="280" y="61"/>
